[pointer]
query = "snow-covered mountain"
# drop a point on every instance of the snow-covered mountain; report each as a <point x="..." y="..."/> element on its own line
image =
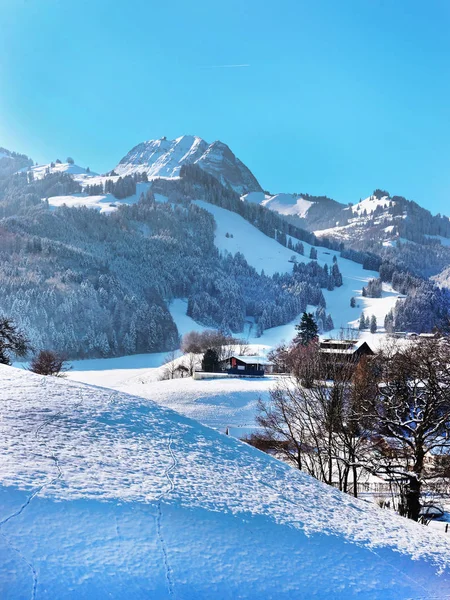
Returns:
<point x="391" y="227"/>
<point x="164" y="158"/>
<point x="103" y="494"/>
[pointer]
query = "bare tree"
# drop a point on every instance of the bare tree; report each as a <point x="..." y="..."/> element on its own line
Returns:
<point x="316" y="423"/>
<point x="210" y="339"/>
<point x="243" y="347"/>
<point x="47" y="362"/>
<point x="170" y="366"/>
<point x="411" y="413"/>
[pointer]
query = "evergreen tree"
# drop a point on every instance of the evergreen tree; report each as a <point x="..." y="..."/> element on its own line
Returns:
<point x="373" y="324"/>
<point x="389" y="322"/>
<point x="313" y="253"/>
<point x="210" y="361"/>
<point x="362" y="322"/>
<point x="307" y="330"/>
<point x="352" y="302"/>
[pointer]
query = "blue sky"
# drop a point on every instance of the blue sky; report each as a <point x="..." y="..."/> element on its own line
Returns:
<point x="339" y="96"/>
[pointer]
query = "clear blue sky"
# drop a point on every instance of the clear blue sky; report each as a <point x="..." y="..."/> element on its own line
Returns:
<point x="339" y="97"/>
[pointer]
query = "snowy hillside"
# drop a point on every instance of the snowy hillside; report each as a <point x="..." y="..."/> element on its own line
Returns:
<point x="104" y="203"/>
<point x="11" y="162"/>
<point x="164" y="158"/>
<point x="108" y="495"/>
<point x="264" y="253"/>
<point x="288" y="204"/>
<point x="314" y="211"/>
<point x="79" y="173"/>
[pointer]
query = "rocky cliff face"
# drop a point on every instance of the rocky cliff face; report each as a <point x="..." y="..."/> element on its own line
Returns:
<point x="164" y="158"/>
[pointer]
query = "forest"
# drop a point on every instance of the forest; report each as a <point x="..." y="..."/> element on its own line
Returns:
<point x="91" y="284"/>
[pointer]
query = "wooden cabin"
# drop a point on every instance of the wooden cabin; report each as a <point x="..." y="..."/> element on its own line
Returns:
<point x="250" y="366"/>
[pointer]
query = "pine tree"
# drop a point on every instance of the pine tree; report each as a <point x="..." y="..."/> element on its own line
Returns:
<point x="210" y="361"/>
<point x="362" y="322"/>
<point x="307" y="330"/>
<point x="329" y="325"/>
<point x="352" y="302"/>
<point x="373" y="324"/>
<point x="313" y="253"/>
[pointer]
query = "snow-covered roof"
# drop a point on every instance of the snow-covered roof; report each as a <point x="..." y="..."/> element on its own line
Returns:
<point x="251" y="360"/>
<point x="344" y="346"/>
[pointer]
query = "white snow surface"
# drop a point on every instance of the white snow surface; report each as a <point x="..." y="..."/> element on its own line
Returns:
<point x="79" y="173"/>
<point x="288" y="204"/>
<point x="104" y="203"/>
<point x="285" y="204"/>
<point x="106" y="495"/>
<point x="369" y="205"/>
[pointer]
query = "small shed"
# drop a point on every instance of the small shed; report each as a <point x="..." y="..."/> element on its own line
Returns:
<point x="253" y="366"/>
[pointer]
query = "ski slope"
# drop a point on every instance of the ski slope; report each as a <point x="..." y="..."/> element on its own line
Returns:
<point x="264" y="253"/>
<point x="105" y="495"/>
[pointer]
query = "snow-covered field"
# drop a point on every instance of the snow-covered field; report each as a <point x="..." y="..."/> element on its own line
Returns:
<point x="225" y="403"/>
<point x="105" y="495"/>
<point x="104" y="203"/>
<point x="288" y="204"/>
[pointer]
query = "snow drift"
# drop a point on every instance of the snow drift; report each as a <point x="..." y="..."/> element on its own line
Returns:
<point x="108" y="495"/>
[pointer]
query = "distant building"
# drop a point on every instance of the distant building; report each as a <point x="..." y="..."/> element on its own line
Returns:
<point x="350" y="348"/>
<point x="253" y="366"/>
<point x="338" y="354"/>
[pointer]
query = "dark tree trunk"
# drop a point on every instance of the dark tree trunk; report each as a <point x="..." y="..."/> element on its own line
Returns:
<point x="355" y="480"/>
<point x="415" y="484"/>
<point x="412" y="498"/>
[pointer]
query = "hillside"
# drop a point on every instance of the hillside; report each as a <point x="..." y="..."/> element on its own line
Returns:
<point x="174" y="223"/>
<point x="10" y="162"/>
<point x="97" y="283"/>
<point x="109" y="495"/>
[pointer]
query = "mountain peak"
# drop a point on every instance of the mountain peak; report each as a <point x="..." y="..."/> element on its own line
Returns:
<point x="164" y="158"/>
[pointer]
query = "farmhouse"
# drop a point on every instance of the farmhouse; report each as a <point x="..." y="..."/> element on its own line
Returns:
<point x="254" y="366"/>
<point x="338" y="354"/>
<point x="352" y="349"/>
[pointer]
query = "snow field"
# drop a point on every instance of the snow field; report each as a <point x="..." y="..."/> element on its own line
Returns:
<point x="108" y="495"/>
